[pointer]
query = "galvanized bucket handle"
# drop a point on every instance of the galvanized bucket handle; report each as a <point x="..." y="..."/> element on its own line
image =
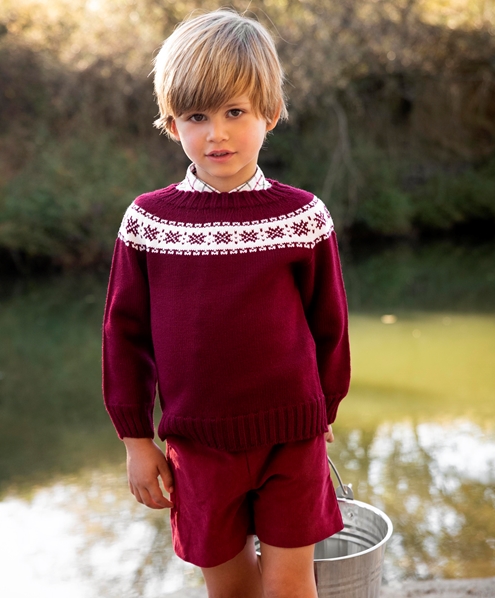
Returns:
<point x="343" y="491"/>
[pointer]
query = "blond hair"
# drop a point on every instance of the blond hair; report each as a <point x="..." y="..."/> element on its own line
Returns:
<point x="212" y="58"/>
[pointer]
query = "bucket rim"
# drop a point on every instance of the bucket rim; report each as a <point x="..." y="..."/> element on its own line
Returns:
<point x="380" y="513"/>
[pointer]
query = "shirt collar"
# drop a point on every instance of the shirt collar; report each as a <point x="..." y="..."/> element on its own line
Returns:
<point x="192" y="183"/>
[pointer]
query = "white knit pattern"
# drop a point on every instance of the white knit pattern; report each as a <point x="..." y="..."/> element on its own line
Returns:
<point x="302" y="228"/>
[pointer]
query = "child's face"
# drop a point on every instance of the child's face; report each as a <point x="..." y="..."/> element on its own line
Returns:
<point x="223" y="144"/>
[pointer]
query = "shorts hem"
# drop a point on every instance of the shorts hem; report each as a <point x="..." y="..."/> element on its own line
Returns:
<point x="209" y="564"/>
<point x="280" y="543"/>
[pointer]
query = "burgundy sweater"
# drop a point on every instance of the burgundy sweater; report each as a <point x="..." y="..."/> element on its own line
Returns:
<point x="233" y="306"/>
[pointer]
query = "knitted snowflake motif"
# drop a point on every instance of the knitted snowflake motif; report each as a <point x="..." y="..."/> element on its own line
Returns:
<point x="302" y="228"/>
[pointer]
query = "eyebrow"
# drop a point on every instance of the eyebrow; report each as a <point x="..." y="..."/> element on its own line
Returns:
<point x="243" y="103"/>
<point x="238" y="103"/>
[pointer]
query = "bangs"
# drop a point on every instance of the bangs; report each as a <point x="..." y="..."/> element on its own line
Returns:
<point x="208" y="87"/>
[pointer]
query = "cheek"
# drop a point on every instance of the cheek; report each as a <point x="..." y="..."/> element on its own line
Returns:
<point x="257" y="140"/>
<point x="189" y="142"/>
<point x="254" y="135"/>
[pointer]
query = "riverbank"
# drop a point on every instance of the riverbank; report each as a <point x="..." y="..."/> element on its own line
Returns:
<point x="443" y="588"/>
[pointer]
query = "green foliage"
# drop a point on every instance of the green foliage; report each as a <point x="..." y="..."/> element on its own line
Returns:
<point x="382" y="206"/>
<point x="435" y="276"/>
<point x="387" y="212"/>
<point x="67" y="201"/>
<point x="446" y="200"/>
<point x="21" y="102"/>
<point x="376" y="90"/>
<point x="369" y="190"/>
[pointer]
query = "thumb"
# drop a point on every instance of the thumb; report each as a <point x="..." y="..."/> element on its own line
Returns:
<point x="167" y="478"/>
<point x="329" y="437"/>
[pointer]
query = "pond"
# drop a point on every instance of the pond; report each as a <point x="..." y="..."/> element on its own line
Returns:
<point x="415" y="436"/>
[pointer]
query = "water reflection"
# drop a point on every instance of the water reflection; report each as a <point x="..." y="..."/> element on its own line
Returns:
<point x="51" y="416"/>
<point x="416" y="436"/>
<point x="437" y="483"/>
<point x="86" y="536"/>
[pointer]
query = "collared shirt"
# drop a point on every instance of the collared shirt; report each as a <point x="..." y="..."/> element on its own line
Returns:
<point x="192" y="183"/>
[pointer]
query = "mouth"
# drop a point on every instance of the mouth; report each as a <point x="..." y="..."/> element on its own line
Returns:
<point x="219" y="154"/>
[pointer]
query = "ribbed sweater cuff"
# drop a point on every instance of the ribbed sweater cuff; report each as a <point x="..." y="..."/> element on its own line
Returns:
<point x="132" y="421"/>
<point x="333" y="402"/>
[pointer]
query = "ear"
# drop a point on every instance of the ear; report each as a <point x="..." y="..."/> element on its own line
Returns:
<point x="273" y="123"/>
<point x="174" y="133"/>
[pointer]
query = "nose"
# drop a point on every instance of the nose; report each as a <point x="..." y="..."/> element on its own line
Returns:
<point x="217" y="131"/>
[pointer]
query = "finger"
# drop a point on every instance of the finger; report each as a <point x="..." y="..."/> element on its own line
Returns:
<point x="330" y="434"/>
<point x="158" y="498"/>
<point x="329" y="437"/>
<point x="137" y="495"/>
<point x="167" y="479"/>
<point x="154" y="501"/>
<point x="147" y="500"/>
<point x="152" y="494"/>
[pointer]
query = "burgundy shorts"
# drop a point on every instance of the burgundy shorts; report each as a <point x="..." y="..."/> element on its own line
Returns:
<point x="282" y="493"/>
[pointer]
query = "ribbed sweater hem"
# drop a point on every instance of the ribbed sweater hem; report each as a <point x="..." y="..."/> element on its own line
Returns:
<point x="283" y="424"/>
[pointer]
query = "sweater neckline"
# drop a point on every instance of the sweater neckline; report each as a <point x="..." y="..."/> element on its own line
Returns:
<point x="277" y="193"/>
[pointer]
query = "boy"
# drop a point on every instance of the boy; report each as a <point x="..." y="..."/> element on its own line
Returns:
<point x="226" y="293"/>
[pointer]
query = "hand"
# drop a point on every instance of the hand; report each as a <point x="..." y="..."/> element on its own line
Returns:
<point x="329" y="437"/>
<point x="146" y="463"/>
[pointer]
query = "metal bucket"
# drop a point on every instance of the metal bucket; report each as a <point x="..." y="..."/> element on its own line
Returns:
<point x="349" y="563"/>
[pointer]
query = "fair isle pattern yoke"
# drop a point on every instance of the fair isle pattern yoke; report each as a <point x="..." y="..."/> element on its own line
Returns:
<point x="301" y="228"/>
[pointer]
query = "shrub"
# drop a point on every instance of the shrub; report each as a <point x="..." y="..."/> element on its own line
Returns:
<point x="447" y="200"/>
<point x="67" y="202"/>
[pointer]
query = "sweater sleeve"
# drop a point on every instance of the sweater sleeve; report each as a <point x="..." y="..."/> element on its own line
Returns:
<point x="129" y="375"/>
<point x="325" y="303"/>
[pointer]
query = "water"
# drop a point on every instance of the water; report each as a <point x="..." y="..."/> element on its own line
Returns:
<point x="415" y="437"/>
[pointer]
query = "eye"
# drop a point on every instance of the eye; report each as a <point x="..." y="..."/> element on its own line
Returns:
<point x="197" y="118"/>
<point x="235" y="112"/>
